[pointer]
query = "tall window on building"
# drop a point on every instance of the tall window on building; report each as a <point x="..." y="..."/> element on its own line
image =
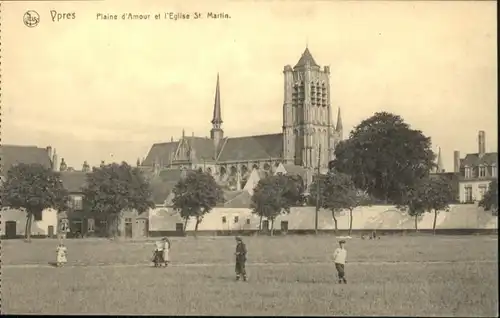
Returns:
<point x="482" y="191"/>
<point x="468" y="194"/>
<point x="482" y="171"/>
<point x="467" y="172"/>
<point x="77" y="203"/>
<point x="494" y="171"/>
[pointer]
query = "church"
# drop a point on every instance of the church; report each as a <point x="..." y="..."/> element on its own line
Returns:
<point x="308" y="135"/>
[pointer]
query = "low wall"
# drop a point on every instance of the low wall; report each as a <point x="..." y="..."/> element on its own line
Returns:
<point x="460" y="216"/>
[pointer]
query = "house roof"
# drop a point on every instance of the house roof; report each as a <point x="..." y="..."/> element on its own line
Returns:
<point x="242" y="200"/>
<point x="73" y="181"/>
<point x="160" y="190"/>
<point x="12" y="154"/>
<point x="306" y="58"/>
<point x="473" y="159"/>
<point x="252" y="148"/>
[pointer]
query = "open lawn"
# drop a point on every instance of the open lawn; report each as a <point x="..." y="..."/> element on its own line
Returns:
<point x="412" y="275"/>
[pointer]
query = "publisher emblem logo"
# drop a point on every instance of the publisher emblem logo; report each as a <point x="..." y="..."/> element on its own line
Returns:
<point x="31" y="18"/>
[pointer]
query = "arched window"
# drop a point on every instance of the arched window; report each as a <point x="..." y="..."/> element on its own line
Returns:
<point x="233" y="171"/>
<point x="255" y="166"/>
<point x="222" y="171"/>
<point x="267" y="166"/>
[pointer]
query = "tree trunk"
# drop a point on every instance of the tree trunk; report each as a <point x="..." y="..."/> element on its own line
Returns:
<point x="272" y="227"/>
<point x="416" y="223"/>
<point x="350" y="221"/>
<point x="260" y="224"/>
<point x="27" y="233"/>
<point x="185" y="223"/>
<point x="434" y="224"/>
<point x="335" y="222"/>
<point x="196" y="226"/>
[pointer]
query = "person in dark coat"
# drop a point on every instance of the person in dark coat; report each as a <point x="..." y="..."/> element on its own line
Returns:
<point x="241" y="258"/>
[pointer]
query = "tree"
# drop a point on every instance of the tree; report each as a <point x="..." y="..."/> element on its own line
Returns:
<point x="113" y="188"/>
<point x="413" y="203"/>
<point x="384" y="156"/>
<point x="337" y="193"/>
<point x="275" y="195"/>
<point x="490" y="198"/>
<point x="436" y="194"/>
<point x="33" y="188"/>
<point x="196" y="195"/>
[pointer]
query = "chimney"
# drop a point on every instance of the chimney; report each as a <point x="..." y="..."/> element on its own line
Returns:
<point x="481" y="143"/>
<point x="456" y="161"/>
<point x="49" y="152"/>
<point x="54" y="161"/>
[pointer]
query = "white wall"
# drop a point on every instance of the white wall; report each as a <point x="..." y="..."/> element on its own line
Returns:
<point x="460" y="216"/>
<point x="49" y="218"/>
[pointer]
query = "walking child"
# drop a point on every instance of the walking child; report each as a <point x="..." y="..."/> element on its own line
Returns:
<point x="339" y="257"/>
<point x="166" y="250"/>
<point x="241" y="258"/>
<point x="61" y="255"/>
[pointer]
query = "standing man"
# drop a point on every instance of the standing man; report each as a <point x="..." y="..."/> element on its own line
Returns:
<point x="241" y="258"/>
<point x="339" y="257"/>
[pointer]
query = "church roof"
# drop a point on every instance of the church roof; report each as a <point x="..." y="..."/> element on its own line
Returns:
<point x="13" y="154"/>
<point x="203" y="147"/>
<point x="305" y="58"/>
<point x="161" y="152"/>
<point x="252" y="148"/>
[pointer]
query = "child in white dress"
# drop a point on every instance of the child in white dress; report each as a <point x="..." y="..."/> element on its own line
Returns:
<point x="61" y="255"/>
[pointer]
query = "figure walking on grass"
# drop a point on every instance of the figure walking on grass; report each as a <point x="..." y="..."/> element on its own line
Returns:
<point x="61" y="255"/>
<point x="166" y="250"/>
<point x="339" y="257"/>
<point x="241" y="258"/>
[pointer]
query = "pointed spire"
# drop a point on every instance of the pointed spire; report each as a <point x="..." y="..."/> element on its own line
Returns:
<point x="217" y="116"/>
<point x="339" y="121"/>
<point x="439" y="167"/>
<point x="183" y="133"/>
<point x="305" y="59"/>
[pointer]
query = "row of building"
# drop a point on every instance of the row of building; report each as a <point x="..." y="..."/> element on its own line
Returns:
<point x="305" y="145"/>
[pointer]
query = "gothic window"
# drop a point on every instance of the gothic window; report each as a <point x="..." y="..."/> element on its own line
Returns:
<point x="222" y="171"/>
<point x="244" y="170"/>
<point x="255" y="166"/>
<point x="233" y="171"/>
<point x="200" y="170"/>
<point x="209" y="170"/>
<point x="267" y="166"/>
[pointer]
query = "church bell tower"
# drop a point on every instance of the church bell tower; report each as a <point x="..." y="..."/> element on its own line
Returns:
<point x="308" y="130"/>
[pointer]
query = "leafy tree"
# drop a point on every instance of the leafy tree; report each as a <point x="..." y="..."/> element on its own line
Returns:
<point x="490" y="199"/>
<point x="113" y="188"/>
<point x="195" y="195"/>
<point x="33" y="188"/>
<point x="275" y="195"/>
<point x="384" y="156"/>
<point x="337" y="192"/>
<point x="436" y="194"/>
<point x="413" y="203"/>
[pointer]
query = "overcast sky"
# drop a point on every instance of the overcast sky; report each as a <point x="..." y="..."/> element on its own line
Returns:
<point x="107" y="90"/>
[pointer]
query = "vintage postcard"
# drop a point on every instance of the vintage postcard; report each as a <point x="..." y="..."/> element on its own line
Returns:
<point x="334" y="158"/>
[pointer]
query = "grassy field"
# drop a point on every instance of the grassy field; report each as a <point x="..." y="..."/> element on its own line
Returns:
<point x="424" y="276"/>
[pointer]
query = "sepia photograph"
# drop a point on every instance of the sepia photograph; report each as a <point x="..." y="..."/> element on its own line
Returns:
<point x="249" y="158"/>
